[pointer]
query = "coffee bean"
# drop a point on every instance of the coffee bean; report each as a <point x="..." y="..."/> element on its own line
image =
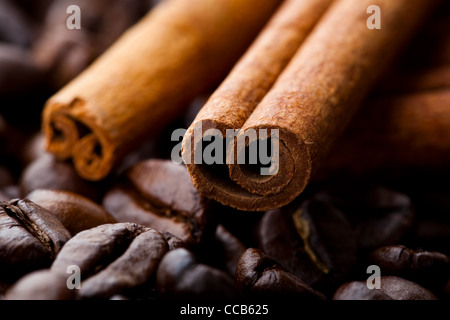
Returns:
<point x="14" y="25"/>
<point x="221" y="252"/>
<point x="41" y="285"/>
<point x="260" y="276"/>
<point x="230" y="249"/>
<point x="46" y="172"/>
<point x="358" y="290"/>
<point x="430" y="269"/>
<point x="379" y="216"/>
<point x="131" y="269"/>
<point x="173" y="241"/>
<point x="392" y="288"/>
<point x="113" y="258"/>
<point x="180" y="277"/>
<point x="9" y="192"/>
<point x="313" y="240"/>
<point x="75" y="212"/>
<point x="160" y="195"/>
<point x="30" y="238"/>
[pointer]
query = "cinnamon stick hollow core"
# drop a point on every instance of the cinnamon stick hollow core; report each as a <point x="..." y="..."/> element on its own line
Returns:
<point x="146" y="78"/>
<point x="310" y="103"/>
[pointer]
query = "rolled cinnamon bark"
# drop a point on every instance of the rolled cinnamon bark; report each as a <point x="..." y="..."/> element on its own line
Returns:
<point x="145" y="79"/>
<point x="310" y="103"/>
<point x="406" y="132"/>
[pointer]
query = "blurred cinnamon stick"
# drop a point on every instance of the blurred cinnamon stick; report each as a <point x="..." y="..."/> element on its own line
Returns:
<point x="310" y="104"/>
<point x="147" y="77"/>
<point x="407" y="132"/>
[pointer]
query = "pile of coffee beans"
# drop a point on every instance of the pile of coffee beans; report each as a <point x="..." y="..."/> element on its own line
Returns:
<point x="144" y="233"/>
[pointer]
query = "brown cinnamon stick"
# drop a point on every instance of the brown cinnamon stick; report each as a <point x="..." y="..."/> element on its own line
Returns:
<point x="145" y="79"/>
<point x="408" y="131"/>
<point x="310" y="104"/>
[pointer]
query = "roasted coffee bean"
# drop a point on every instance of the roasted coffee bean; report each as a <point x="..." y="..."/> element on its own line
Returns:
<point x="180" y="276"/>
<point x="75" y="212"/>
<point x="358" y="290"/>
<point x="47" y="172"/>
<point x="429" y="269"/>
<point x="30" y="238"/>
<point x="9" y="192"/>
<point x="41" y="285"/>
<point x="14" y="26"/>
<point x="230" y="249"/>
<point x="221" y="252"/>
<point x="18" y="70"/>
<point x="173" y="241"/>
<point x="160" y="195"/>
<point x="392" y="288"/>
<point x="262" y="277"/>
<point x="113" y="258"/>
<point x="379" y="216"/>
<point x="313" y="240"/>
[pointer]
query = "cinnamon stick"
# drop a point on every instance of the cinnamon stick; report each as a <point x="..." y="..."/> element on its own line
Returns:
<point x="407" y="132"/>
<point x="144" y="80"/>
<point x="310" y="104"/>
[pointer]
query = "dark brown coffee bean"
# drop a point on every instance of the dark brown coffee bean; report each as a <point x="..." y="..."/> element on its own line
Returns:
<point x="393" y="287"/>
<point x="358" y="290"/>
<point x="41" y="285"/>
<point x="180" y="276"/>
<point x="379" y="216"/>
<point x="132" y="269"/>
<point x="262" y="277"/>
<point x="221" y="252"/>
<point x="230" y="249"/>
<point x="75" y="212"/>
<point x="173" y="241"/>
<point x="160" y="195"/>
<point x="30" y="238"/>
<point x="113" y="258"/>
<point x="47" y="172"/>
<point x="18" y="70"/>
<point x="14" y="26"/>
<point x="9" y="192"/>
<point x="430" y="269"/>
<point x="314" y="241"/>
